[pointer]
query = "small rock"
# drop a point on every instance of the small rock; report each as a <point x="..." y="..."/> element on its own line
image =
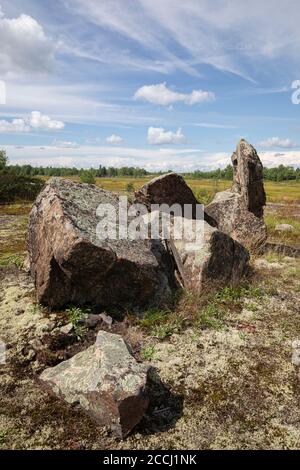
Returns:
<point x="106" y="319"/>
<point x="26" y="264"/>
<point x="20" y="311"/>
<point x="67" y="329"/>
<point x="296" y="344"/>
<point x="106" y="381"/>
<point x="36" y="344"/>
<point x="91" y="320"/>
<point x="284" y="228"/>
<point x="264" y="264"/>
<point x="296" y="353"/>
<point x="296" y="357"/>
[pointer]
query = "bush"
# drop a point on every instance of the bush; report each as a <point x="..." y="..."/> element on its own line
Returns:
<point x="129" y="188"/>
<point x="88" y="177"/>
<point x="19" y="188"/>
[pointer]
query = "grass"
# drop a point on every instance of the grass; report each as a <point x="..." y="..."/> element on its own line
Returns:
<point x="161" y="323"/>
<point x="205" y="189"/>
<point x="76" y="316"/>
<point x="236" y="294"/>
<point x="210" y="317"/>
<point x="15" y="209"/>
<point x="11" y="260"/>
<point x="272" y="220"/>
<point x="3" y="435"/>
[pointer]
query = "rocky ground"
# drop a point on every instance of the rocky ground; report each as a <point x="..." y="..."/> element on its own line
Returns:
<point x="222" y="373"/>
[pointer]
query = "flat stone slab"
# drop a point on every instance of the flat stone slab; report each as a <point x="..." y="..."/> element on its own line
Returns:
<point x="106" y="381"/>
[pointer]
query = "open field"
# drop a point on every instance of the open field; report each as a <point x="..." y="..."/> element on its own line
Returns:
<point x="286" y="191"/>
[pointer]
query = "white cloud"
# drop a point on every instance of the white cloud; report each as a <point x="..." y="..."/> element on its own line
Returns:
<point x="159" y="136"/>
<point x="162" y="95"/>
<point x="38" y="120"/>
<point x="114" y="139"/>
<point x="24" y="46"/>
<point x="274" y="142"/>
<point x="14" y="126"/>
<point x="35" y="121"/>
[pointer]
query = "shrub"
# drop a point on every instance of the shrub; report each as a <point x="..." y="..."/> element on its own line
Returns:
<point x="88" y="177"/>
<point x="15" y="188"/>
<point x="130" y="188"/>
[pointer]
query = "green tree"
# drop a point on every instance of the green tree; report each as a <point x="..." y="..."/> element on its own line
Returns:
<point x="87" y="176"/>
<point x="3" y="159"/>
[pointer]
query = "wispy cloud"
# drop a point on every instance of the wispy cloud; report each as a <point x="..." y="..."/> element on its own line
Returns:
<point x="229" y="40"/>
<point x="65" y="144"/>
<point x="210" y="125"/>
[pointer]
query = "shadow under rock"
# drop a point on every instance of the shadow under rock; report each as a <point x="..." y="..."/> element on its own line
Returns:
<point x="165" y="407"/>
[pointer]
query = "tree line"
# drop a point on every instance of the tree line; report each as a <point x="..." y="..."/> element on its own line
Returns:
<point x="279" y="173"/>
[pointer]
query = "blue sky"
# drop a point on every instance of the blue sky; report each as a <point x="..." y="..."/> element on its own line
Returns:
<point x="162" y="84"/>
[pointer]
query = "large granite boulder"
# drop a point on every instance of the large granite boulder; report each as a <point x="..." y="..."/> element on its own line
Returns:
<point x="248" y="177"/>
<point x="71" y="265"/>
<point x="233" y="218"/>
<point x="169" y="189"/>
<point x="105" y="380"/>
<point x="208" y="259"/>
<point x="239" y="211"/>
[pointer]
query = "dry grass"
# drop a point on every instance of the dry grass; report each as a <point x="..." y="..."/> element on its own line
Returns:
<point x="281" y="192"/>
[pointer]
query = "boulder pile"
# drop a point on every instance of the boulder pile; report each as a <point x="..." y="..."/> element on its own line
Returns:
<point x="71" y="265"/>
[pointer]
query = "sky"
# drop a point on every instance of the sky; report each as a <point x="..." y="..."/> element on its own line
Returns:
<point x="159" y="84"/>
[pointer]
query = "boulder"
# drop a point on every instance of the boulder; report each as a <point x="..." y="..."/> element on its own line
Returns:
<point x="239" y="212"/>
<point x="169" y="189"/>
<point x="248" y="177"/>
<point x="233" y="218"/>
<point x="106" y="381"/>
<point x="211" y="260"/>
<point x="71" y="265"/>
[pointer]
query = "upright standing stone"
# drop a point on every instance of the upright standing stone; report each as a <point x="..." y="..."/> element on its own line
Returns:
<point x="239" y="211"/>
<point x="248" y="177"/>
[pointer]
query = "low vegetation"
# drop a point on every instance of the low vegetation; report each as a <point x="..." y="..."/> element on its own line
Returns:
<point x="15" y="188"/>
<point x="76" y="316"/>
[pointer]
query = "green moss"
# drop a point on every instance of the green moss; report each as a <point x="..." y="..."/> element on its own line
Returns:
<point x="147" y="352"/>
